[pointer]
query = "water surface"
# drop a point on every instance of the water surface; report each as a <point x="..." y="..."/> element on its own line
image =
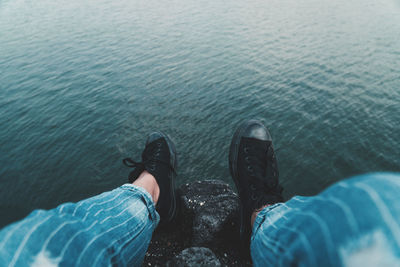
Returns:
<point x="82" y="82"/>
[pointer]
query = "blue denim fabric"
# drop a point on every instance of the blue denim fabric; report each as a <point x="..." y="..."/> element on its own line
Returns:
<point x="113" y="228"/>
<point x="353" y="223"/>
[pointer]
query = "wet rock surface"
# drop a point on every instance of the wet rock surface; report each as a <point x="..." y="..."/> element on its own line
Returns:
<point x="209" y="208"/>
<point x="207" y="219"/>
<point x="195" y="256"/>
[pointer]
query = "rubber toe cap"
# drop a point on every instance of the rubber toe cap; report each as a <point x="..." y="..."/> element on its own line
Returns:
<point x="154" y="136"/>
<point x="255" y="129"/>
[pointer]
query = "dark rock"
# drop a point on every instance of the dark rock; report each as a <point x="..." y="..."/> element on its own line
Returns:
<point x="209" y="212"/>
<point x="195" y="256"/>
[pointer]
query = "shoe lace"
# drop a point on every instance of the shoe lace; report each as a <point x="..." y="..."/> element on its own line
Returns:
<point x="263" y="191"/>
<point x="139" y="167"/>
<point x="148" y="163"/>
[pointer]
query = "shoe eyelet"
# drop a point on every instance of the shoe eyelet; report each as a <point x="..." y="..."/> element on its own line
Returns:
<point x="250" y="168"/>
<point x="253" y="197"/>
<point x="247" y="159"/>
<point x="152" y="167"/>
<point x="252" y="187"/>
<point x="159" y="144"/>
<point x="246" y="150"/>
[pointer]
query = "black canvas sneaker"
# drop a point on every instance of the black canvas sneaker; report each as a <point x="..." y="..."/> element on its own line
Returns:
<point x="159" y="159"/>
<point x="254" y="169"/>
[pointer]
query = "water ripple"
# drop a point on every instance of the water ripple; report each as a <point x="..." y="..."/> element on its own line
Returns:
<point x="83" y="82"/>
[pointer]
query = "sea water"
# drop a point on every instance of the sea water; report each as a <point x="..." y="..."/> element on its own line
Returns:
<point x="82" y="82"/>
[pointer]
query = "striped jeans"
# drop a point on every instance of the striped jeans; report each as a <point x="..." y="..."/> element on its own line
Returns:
<point x="113" y="228"/>
<point x="353" y="223"/>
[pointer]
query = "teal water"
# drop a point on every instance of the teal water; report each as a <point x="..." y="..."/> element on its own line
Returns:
<point x="82" y="82"/>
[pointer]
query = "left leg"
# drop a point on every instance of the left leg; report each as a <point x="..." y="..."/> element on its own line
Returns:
<point x="112" y="228"/>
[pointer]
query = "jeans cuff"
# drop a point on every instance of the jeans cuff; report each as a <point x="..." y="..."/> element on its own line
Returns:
<point x="147" y="199"/>
<point x="261" y="218"/>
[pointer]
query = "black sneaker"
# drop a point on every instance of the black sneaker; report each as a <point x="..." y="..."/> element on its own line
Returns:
<point x="159" y="159"/>
<point x="254" y="170"/>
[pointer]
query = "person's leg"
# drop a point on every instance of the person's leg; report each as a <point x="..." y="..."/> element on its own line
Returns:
<point x="113" y="228"/>
<point x="352" y="223"/>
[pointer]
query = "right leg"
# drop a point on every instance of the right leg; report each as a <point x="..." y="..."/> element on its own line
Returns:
<point x="352" y="223"/>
